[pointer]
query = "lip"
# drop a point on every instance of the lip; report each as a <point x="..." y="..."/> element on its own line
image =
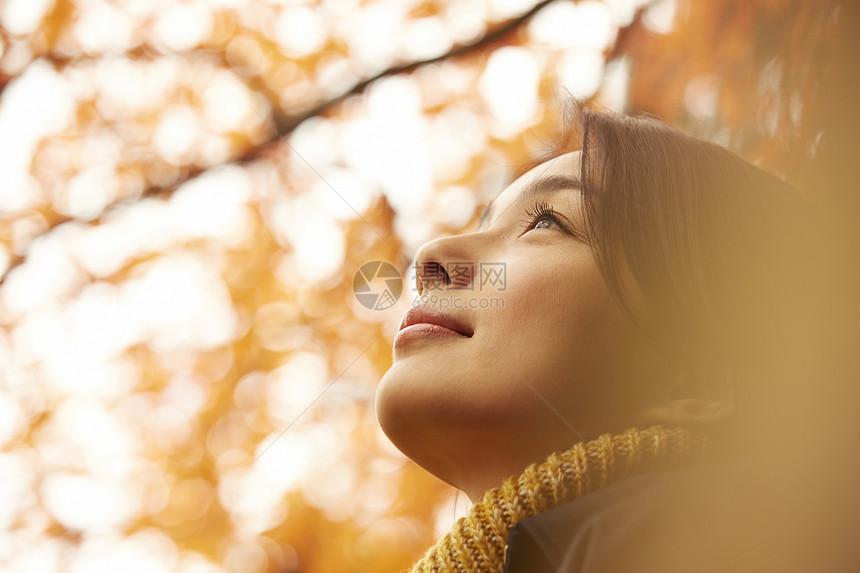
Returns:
<point x="428" y="324"/>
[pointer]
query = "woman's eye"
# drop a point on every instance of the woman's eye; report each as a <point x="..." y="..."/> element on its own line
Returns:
<point x="542" y="217"/>
<point x="543" y="223"/>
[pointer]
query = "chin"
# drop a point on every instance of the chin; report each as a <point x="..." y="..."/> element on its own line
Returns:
<point x="383" y="403"/>
<point x="416" y="407"/>
<point x="398" y="405"/>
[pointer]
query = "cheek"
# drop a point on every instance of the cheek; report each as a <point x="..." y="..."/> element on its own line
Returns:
<point x="562" y="332"/>
<point x="560" y="310"/>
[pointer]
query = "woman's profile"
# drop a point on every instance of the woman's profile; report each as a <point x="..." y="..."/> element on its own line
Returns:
<point x="642" y="372"/>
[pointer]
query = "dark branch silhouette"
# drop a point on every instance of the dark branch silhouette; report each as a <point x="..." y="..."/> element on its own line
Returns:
<point x="284" y="124"/>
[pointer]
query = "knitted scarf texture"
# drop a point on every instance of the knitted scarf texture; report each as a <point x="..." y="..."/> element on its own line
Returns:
<point x="478" y="541"/>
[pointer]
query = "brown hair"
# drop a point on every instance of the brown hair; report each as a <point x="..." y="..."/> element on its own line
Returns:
<point x="706" y="251"/>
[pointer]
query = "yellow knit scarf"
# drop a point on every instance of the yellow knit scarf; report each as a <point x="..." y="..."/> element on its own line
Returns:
<point x="478" y="541"/>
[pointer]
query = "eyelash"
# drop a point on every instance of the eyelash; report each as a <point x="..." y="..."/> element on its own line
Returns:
<point x="539" y="212"/>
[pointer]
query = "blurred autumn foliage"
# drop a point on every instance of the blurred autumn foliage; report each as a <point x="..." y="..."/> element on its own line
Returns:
<point x="189" y="188"/>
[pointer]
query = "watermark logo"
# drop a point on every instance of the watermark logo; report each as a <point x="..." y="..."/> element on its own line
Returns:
<point x="377" y="285"/>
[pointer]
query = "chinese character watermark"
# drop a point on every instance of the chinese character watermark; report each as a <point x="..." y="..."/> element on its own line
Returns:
<point x="461" y="275"/>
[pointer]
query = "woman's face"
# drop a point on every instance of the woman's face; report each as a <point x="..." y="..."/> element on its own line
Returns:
<point x="551" y="358"/>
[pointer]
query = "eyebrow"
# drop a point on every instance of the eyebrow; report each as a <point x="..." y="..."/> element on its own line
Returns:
<point x="540" y="186"/>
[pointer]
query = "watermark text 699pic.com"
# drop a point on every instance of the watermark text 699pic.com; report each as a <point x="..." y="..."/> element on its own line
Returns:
<point x="451" y="302"/>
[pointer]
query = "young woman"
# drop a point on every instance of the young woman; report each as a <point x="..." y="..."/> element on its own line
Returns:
<point x="654" y="313"/>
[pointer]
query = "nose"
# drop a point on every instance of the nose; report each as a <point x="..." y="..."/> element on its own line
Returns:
<point x="443" y="265"/>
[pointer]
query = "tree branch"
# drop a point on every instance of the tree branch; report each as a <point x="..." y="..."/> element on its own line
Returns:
<point x="498" y="34"/>
<point x="626" y="34"/>
<point x="286" y="124"/>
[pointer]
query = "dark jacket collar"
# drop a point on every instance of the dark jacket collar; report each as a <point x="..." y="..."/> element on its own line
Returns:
<point x="739" y="515"/>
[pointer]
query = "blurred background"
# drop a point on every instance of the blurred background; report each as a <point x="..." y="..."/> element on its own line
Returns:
<point x="187" y="189"/>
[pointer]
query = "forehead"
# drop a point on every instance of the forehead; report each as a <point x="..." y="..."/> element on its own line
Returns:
<point x="566" y="165"/>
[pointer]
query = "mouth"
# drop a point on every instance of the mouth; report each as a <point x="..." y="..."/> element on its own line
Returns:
<point x="431" y="320"/>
